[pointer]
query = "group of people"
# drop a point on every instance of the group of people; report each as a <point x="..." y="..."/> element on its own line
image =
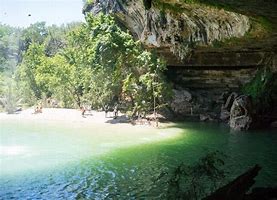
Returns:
<point x="38" y="109"/>
<point x="106" y="109"/>
<point x="115" y="110"/>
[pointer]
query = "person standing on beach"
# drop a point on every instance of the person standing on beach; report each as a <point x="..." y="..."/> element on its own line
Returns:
<point x="83" y="110"/>
<point x="106" y="109"/>
<point x="115" y="111"/>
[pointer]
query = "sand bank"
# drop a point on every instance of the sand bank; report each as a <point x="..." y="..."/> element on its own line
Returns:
<point x="63" y="115"/>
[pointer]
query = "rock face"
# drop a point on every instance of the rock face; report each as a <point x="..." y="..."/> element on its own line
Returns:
<point x="204" y="80"/>
<point x="226" y="107"/>
<point x="273" y="124"/>
<point x="210" y="88"/>
<point x="181" y="103"/>
<point x="172" y="25"/>
<point x="241" y="113"/>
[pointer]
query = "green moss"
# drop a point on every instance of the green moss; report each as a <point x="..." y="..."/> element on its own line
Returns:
<point x="89" y="1"/>
<point x="264" y="22"/>
<point x="262" y="89"/>
<point x="173" y="8"/>
<point x="258" y="84"/>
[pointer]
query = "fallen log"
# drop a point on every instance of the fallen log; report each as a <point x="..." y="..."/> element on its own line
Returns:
<point x="236" y="189"/>
<point x="262" y="194"/>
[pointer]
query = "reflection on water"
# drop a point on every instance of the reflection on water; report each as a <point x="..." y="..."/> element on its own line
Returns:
<point x="33" y="147"/>
<point x="13" y="150"/>
<point x="73" y="163"/>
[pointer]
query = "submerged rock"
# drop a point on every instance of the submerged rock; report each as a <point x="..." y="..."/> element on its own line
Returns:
<point x="241" y="113"/>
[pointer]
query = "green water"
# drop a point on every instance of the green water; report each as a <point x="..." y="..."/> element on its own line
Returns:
<point x="50" y="161"/>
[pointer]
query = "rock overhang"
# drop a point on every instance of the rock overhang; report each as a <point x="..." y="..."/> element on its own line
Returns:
<point x="175" y="31"/>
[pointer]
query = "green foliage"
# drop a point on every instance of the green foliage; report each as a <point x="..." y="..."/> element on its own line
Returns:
<point x="262" y="89"/>
<point x="9" y="38"/>
<point x="164" y="6"/>
<point x="198" y="180"/>
<point x="121" y="63"/>
<point x="34" y="58"/>
<point x="258" y="84"/>
<point x="147" y="4"/>
<point x="35" y="33"/>
<point x="9" y="96"/>
<point x="98" y="64"/>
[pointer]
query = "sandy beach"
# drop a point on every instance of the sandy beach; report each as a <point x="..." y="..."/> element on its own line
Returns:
<point x="64" y="115"/>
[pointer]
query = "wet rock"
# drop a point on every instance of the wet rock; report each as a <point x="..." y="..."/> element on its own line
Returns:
<point x="226" y="107"/>
<point x="181" y="102"/>
<point x="273" y="124"/>
<point x="241" y="113"/>
<point x="229" y="102"/>
<point x="205" y="117"/>
<point x="224" y="115"/>
<point x="222" y="98"/>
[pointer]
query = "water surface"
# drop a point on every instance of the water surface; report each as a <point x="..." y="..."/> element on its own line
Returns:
<point x="62" y="161"/>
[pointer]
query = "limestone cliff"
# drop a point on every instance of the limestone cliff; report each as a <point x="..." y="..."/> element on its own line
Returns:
<point x="204" y="77"/>
<point x="172" y="25"/>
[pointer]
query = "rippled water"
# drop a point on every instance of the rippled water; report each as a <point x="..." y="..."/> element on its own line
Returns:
<point x="96" y="162"/>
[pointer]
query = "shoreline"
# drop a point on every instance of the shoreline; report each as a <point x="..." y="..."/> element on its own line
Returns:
<point x="58" y="114"/>
<point x="70" y="116"/>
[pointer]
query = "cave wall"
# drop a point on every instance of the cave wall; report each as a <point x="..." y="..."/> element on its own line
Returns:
<point x="203" y="86"/>
<point x="209" y="78"/>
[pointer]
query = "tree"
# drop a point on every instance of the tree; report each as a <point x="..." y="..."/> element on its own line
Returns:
<point x="34" y="59"/>
<point x="136" y="73"/>
<point x="9" y="38"/>
<point x="97" y="64"/>
<point x="35" y="33"/>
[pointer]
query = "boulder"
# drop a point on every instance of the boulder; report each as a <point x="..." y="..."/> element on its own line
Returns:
<point x="205" y="117"/>
<point x="181" y="102"/>
<point x="224" y="115"/>
<point x="222" y="98"/>
<point x="241" y="113"/>
<point x="273" y="124"/>
<point x="229" y="102"/>
<point x="226" y="107"/>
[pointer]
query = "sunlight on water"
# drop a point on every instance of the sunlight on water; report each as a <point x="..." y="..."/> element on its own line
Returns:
<point x="13" y="150"/>
<point x="29" y="147"/>
<point x="104" y="161"/>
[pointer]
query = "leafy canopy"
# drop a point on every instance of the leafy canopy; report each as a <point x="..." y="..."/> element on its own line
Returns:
<point x="98" y="64"/>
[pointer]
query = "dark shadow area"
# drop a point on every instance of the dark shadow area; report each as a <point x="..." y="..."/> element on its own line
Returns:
<point x="119" y="119"/>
